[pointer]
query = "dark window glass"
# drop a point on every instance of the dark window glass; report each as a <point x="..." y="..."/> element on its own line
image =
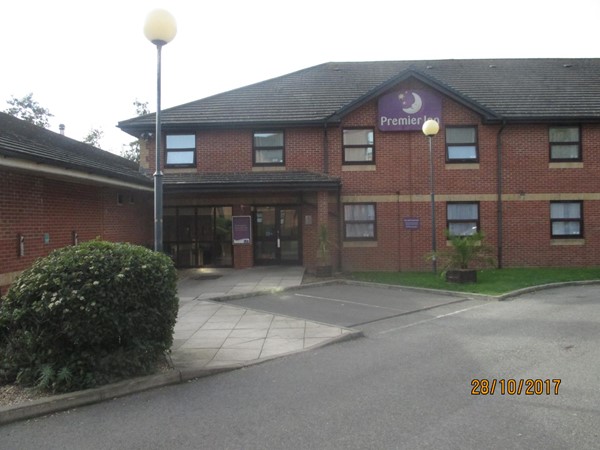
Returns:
<point x="180" y="150"/>
<point x="269" y="148"/>
<point x="566" y="219"/>
<point x="461" y="144"/>
<point x="358" y="146"/>
<point x="359" y="221"/>
<point x="462" y="218"/>
<point x="565" y="144"/>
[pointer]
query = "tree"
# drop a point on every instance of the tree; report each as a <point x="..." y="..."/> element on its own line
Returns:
<point x="93" y="137"/>
<point x="132" y="151"/>
<point x="29" y="110"/>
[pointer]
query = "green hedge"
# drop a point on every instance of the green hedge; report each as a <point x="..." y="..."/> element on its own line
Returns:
<point x="88" y="315"/>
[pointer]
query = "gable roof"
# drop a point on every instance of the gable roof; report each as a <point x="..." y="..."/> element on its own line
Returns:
<point x="23" y="141"/>
<point x="499" y="89"/>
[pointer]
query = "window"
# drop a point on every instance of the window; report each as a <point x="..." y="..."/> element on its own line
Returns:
<point x="461" y="144"/>
<point x="358" y="146"/>
<point x="462" y="218"/>
<point x="566" y="219"/>
<point x="565" y="144"/>
<point x="359" y="221"/>
<point x="180" y="150"/>
<point x="268" y="148"/>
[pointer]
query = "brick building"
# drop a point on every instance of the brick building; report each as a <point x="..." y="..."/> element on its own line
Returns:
<point x="340" y="144"/>
<point x="55" y="191"/>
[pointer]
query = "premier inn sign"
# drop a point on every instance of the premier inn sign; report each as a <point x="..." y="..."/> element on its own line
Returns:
<point x="408" y="110"/>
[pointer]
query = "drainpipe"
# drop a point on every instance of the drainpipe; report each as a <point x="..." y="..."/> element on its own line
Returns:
<point x="325" y="149"/>
<point x="499" y="189"/>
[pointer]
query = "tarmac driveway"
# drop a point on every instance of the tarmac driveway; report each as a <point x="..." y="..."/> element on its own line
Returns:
<point x="348" y="305"/>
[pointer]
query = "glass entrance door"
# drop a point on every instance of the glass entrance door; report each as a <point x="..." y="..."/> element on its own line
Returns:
<point x="277" y="235"/>
<point x="198" y="236"/>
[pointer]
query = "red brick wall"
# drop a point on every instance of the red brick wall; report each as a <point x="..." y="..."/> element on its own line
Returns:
<point x="34" y="207"/>
<point x="400" y="187"/>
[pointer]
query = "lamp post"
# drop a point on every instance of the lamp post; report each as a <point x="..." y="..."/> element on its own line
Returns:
<point x="430" y="129"/>
<point x="160" y="29"/>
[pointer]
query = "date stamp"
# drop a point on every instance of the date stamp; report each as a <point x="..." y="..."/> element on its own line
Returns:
<point x="511" y="386"/>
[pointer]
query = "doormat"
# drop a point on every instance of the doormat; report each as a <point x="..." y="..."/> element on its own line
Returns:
<point x="206" y="276"/>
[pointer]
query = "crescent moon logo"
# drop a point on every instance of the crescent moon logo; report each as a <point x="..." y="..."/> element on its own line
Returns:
<point x="415" y="106"/>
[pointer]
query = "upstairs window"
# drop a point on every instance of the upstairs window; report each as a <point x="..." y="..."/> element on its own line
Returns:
<point x="462" y="218"/>
<point x="566" y="219"/>
<point x="565" y="144"/>
<point x="358" y="146"/>
<point x="180" y="150"/>
<point x="359" y="221"/>
<point x="461" y="144"/>
<point x="268" y="148"/>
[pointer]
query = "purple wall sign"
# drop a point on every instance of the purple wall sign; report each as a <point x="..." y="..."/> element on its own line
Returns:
<point x="412" y="223"/>
<point x="241" y="227"/>
<point x="408" y="110"/>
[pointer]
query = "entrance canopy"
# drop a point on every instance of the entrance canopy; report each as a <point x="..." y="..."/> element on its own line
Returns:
<point x="250" y="182"/>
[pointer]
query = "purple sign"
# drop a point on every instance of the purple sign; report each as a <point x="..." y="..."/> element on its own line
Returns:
<point x="408" y="110"/>
<point x="412" y="223"/>
<point x="241" y="229"/>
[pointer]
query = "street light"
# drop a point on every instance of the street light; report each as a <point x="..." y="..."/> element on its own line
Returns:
<point x="430" y="129"/>
<point x="160" y="29"/>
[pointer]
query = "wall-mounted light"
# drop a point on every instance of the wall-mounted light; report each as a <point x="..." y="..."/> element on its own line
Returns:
<point x="75" y="237"/>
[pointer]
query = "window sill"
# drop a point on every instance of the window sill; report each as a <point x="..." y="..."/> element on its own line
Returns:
<point x="268" y="169"/>
<point x="567" y="241"/>
<point x="179" y="170"/>
<point x="565" y="165"/>
<point x="359" y="244"/>
<point x="359" y="168"/>
<point x="461" y="166"/>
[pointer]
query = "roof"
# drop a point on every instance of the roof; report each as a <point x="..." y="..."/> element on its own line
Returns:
<point x="499" y="89"/>
<point x="249" y="181"/>
<point x="24" y="141"/>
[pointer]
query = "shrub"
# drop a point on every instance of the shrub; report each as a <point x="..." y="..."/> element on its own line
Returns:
<point x="465" y="252"/>
<point x="88" y="315"/>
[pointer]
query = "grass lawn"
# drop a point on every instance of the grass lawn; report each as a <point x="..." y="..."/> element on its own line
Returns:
<point x="489" y="281"/>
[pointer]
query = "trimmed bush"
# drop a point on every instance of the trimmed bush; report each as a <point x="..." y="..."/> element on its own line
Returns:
<point x="88" y="315"/>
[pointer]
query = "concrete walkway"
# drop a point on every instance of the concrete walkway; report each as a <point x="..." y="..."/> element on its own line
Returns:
<point x="209" y="334"/>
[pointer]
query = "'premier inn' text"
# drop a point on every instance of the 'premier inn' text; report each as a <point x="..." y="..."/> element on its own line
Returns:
<point x="394" y="121"/>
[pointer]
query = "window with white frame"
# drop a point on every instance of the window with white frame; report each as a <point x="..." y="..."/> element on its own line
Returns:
<point x="268" y="148"/>
<point x="462" y="218"/>
<point x="566" y="219"/>
<point x="180" y="150"/>
<point x="359" y="221"/>
<point x="565" y="143"/>
<point x="461" y="144"/>
<point x="359" y="146"/>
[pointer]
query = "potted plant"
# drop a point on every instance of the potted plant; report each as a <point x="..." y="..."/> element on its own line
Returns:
<point x="324" y="268"/>
<point x="465" y="253"/>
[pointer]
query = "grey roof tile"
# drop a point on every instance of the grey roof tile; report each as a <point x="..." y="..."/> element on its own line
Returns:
<point x="22" y="140"/>
<point x="511" y="89"/>
<point x="294" y="180"/>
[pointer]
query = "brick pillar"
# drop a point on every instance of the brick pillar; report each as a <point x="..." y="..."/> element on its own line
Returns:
<point x="322" y="208"/>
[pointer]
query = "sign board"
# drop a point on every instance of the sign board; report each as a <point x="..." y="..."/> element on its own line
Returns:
<point x="412" y="223"/>
<point x="407" y="110"/>
<point x="241" y="228"/>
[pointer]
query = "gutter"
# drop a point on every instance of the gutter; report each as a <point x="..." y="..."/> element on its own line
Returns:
<point x="73" y="175"/>
<point x="499" y="193"/>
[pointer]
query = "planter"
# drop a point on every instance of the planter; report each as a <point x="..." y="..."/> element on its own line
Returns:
<point x="324" y="271"/>
<point x="461" y="276"/>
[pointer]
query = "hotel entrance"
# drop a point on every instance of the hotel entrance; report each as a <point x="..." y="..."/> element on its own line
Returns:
<point x="198" y="236"/>
<point x="277" y="237"/>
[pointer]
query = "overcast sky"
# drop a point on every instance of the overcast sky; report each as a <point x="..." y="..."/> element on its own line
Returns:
<point x="88" y="61"/>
